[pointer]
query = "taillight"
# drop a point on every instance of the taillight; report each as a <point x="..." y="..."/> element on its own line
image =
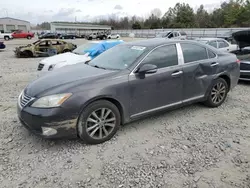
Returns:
<point x="238" y="61"/>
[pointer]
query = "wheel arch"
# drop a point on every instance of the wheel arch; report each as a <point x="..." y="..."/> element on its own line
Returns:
<point x="227" y="79"/>
<point x="110" y="99"/>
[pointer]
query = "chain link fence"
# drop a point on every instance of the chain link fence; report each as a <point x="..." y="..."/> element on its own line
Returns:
<point x="191" y="33"/>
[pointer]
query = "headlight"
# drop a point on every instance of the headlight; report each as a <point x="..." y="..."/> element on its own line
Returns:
<point x="51" y="101"/>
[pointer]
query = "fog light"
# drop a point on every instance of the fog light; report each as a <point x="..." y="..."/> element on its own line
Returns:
<point x="48" y="131"/>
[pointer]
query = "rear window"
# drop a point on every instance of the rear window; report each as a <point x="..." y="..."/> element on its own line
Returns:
<point x="183" y="33"/>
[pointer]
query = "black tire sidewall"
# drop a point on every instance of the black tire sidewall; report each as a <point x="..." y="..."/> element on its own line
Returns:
<point x="6" y="38"/>
<point x="209" y="101"/>
<point x="81" y="125"/>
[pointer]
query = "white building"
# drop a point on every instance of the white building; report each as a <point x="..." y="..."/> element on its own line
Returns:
<point x="8" y="24"/>
<point x="79" y="28"/>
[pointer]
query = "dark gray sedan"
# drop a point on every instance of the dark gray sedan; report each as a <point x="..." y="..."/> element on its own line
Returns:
<point x="127" y="82"/>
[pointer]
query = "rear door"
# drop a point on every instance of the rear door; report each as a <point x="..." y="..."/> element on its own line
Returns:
<point x="200" y="66"/>
<point x="161" y="89"/>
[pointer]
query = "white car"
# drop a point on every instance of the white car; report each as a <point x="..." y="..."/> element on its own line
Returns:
<point x="218" y="43"/>
<point x="81" y="54"/>
<point x="6" y="36"/>
<point x="112" y="36"/>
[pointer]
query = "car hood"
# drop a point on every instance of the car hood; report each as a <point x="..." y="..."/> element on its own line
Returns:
<point x="68" y="58"/>
<point x="23" y="47"/>
<point x="61" y="77"/>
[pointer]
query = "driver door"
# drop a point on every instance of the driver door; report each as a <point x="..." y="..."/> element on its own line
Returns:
<point x="159" y="90"/>
<point x="43" y="47"/>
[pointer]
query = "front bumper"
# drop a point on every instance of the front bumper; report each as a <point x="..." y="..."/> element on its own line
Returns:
<point x="48" y="123"/>
<point x="245" y="75"/>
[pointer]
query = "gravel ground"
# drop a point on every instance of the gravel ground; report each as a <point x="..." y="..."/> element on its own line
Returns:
<point x="190" y="147"/>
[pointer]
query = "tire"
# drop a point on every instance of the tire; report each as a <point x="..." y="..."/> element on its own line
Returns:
<point x="86" y="120"/>
<point x="27" y="53"/>
<point x="6" y="38"/>
<point x="216" y="98"/>
<point x="28" y="37"/>
<point x="90" y="38"/>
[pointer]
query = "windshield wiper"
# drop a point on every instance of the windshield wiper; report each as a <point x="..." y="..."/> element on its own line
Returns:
<point x="96" y="66"/>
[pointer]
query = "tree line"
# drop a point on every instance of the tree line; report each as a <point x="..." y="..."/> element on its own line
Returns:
<point x="235" y="13"/>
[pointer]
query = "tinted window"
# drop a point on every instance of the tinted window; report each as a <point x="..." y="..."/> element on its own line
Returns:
<point x="222" y="44"/>
<point x="211" y="54"/>
<point x="163" y="57"/>
<point x="213" y="43"/>
<point x="192" y="52"/>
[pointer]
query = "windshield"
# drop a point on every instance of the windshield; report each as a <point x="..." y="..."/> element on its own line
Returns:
<point x="81" y="50"/>
<point x="118" y="58"/>
<point x="164" y="34"/>
<point x="36" y="42"/>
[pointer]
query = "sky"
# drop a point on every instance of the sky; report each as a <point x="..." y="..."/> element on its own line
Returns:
<point x="88" y="10"/>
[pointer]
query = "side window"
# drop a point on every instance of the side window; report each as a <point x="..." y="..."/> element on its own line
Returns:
<point x="170" y="35"/>
<point x="192" y="52"/>
<point x="54" y="42"/>
<point x="44" y="44"/>
<point x="213" y="43"/>
<point x="165" y="56"/>
<point x="222" y="44"/>
<point x="211" y="54"/>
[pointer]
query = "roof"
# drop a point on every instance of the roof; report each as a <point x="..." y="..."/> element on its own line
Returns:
<point x="14" y="19"/>
<point x="151" y="43"/>
<point x="79" y="23"/>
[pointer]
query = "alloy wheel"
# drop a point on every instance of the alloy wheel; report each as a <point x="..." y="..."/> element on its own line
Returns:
<point x="100" y="123"/>
<point x="218" y="93"/>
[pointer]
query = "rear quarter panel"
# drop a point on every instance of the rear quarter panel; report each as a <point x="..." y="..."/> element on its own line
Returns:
<point x="229" y="67"/>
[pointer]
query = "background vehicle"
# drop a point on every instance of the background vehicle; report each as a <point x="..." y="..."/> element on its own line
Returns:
<point x="44" y="48"/>
<point x="100" y="36"/>
<point x="112" y="36"/>
<point x="125" y="83"/>
<point x="6" y="36"/>
<point x="22" y="34"/>
<point x="172" y="35"/>
<point x="49" y="36"/>
<point x="2" y="45"/>
<point x="92" y="36"/>
<point x="68" y="36"/>
<point x="220" y="44"/>
<point x="81" y="54"/>
<point x="244" y="56"/>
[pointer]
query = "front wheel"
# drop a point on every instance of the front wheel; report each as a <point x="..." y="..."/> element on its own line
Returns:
<point x="98" y="122"/>
<point x="6" y="38"/>
<point x="217" y="93"/>
<point x="28" y="37"/>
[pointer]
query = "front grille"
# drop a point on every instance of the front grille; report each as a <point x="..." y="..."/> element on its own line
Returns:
<point x="244" y="66"/>
<point x="40" y="66"/>
<point x="25" y="100"/>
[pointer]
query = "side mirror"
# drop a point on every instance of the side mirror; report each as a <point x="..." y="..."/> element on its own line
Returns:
<point x="147" y="69"/>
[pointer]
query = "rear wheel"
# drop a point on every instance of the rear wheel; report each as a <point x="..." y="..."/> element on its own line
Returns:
<point x="28" y="37"/>
<point x="6" y="38"/>
<point x="98" y="122"/>
<point x="217" y="93"/>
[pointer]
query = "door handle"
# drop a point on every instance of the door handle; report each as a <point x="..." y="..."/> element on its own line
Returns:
<point x="176" y="73"/>
<point x="214" y="64"/>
